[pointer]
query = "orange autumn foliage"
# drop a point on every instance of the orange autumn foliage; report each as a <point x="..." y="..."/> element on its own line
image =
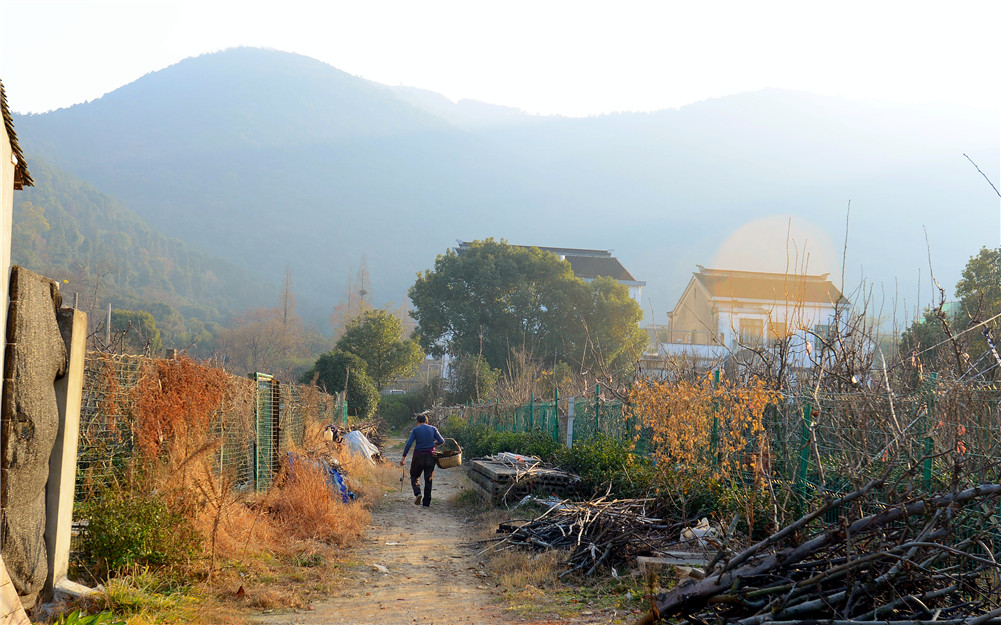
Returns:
<point x="175" y="403"/>
<point x="681" y="416"/>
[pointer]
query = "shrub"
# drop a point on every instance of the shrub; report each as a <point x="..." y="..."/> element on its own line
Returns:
<point x="598" y="461"/>
<point x="333" y="369"/>
<point x="130" y="529"/>
<point x="398" y="410"/>
<point x="602" y="460"/>
<point x="480" y="440"/>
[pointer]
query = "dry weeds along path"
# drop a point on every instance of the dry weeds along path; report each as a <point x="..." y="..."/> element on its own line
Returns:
<point x="416" y="565"/>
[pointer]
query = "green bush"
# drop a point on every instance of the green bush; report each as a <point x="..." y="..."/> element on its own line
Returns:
<point x="479" y="440"/>
<point x="597" y="461"/>
<point x="602" y="460"/>
<point x="125" y="530"/>
<point x="334" y="369"/>
<point x="398" y="410"/>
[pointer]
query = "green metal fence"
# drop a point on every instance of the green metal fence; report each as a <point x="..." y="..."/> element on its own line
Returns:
<point x="813" y="440"/>
<point x="566" y="420"/>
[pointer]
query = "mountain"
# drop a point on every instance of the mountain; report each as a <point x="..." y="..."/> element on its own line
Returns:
<point x="272" y="160"/>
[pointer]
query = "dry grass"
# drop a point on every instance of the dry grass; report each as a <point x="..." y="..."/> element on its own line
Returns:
<point x="518" y="569"/>
<point x="306" y="507"/>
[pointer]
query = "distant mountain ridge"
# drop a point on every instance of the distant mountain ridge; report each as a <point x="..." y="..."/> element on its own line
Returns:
<point x="273" y="160"/>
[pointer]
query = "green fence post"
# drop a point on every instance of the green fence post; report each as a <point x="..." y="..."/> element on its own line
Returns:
<point x="714" y="432"/>
<point x="556" y="415"/>
<point x="804" y="454"/>
<point x="929" y="446"/>
<point x="344" y="409"/>
<point x="597" y="405"/>
<point x="531" y="412"/>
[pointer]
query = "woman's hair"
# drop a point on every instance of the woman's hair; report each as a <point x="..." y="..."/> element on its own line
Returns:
<point x="422" y="418"/>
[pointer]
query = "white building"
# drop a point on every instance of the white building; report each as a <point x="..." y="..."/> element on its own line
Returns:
<point x="721" y="312"/>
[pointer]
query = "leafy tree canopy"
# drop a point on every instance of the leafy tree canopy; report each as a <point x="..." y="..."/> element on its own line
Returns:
<point x="376" y="337"/>
<point x="472" y="380"/>
<point x="492" y="297"/>
<point x="927" y="342"/>
<point x="332" y="370"/>
<point x="979" y="289"/>
<point x="135" y="332"/>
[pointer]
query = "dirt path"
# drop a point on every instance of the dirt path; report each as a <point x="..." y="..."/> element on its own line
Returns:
<point x="420" y="565"/>
<point x="431" y="575"/>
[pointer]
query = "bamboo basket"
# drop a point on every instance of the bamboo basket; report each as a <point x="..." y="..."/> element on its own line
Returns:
<point x="450" y="458"/>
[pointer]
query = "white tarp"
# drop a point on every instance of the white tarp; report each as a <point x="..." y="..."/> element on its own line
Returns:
<point x="358" y="443"/>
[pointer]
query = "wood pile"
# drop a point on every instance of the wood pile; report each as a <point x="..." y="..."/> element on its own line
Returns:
<point x="371" y="431"/>
<point x="598" y="533"/>
<point x="924" y="559"/>
<point x="506" y="478"/>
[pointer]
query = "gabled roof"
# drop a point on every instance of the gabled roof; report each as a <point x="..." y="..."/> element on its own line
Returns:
<point x="21" y="176"/>
<point x="573" y="251"/>
<point x="723" y="284"/>
<point x="596" y="266"/>
<point x="586" y="264"/>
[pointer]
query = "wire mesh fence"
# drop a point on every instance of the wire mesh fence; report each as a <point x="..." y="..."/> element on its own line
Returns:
<point x="566" y="420"/>
<point x="817" y="443"/>
<point x="254" y="422"/>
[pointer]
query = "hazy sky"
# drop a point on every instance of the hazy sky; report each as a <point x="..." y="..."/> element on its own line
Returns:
<point x="550" y="57"/>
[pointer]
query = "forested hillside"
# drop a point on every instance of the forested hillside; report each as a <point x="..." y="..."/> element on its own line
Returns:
<point x="103" y="252"/>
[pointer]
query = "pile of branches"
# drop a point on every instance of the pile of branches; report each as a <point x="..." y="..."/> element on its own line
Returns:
<point x="371" y="431"/>
<point x="597" y="532"/>
<point x="923" y="559"/>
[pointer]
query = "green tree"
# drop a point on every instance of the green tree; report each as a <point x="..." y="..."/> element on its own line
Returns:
<point x="135" y="332"/>
<point x="492" y="298"/>
<point x="472" y="380"/>
<point x="979" y="289"/>
<point x="376" y="337"/>
<point x="979" y="293"/>
<point x="602" y="335"/>
<point x="940" y="342"/>
<point x="488" y="299"/>
<point x="333" y="370"/>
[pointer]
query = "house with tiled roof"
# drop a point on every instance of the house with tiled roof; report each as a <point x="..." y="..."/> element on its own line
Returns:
<point x="723" y="311"/>
<point x="590" y="264"/>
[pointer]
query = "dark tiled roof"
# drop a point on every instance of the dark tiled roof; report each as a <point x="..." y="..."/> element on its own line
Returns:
<point x="723" y="284"/>
<point x="595" y="266"/>
<point x="21" y="176"/>
<point x="571" y="251"/>
<point x="586" y="264"/>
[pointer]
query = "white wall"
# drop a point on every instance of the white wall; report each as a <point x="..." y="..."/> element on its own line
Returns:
<point x="6" y="212"/>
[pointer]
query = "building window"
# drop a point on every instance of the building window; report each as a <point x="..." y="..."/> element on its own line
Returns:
<point x="821" y="332"/>
<point x="751" y="331"/>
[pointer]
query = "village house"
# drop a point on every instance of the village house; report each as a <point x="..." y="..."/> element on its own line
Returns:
<point x="722" y="312"/>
